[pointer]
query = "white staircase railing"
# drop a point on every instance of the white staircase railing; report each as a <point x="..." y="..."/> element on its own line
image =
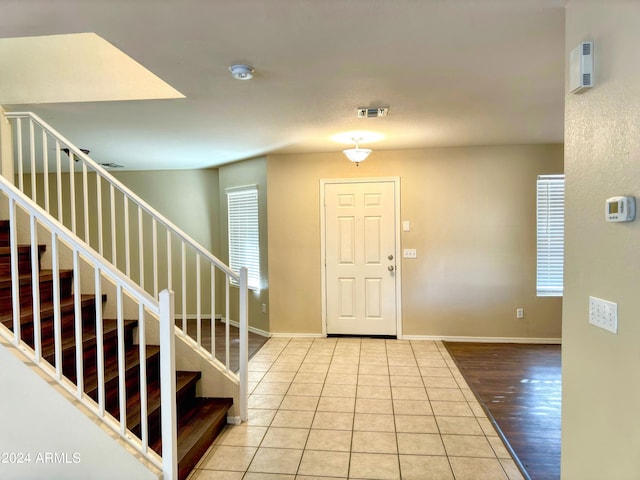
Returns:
<point x="26" y="216"/>
<point x="127" y="231"/>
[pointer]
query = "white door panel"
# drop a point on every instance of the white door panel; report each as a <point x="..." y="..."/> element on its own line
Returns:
<point x="360" y="248"/>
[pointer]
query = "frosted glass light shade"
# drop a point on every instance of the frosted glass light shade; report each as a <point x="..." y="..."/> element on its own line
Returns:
<point x="357" y="155"/>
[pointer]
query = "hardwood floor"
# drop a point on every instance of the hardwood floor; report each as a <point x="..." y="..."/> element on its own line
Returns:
<point x="255" y="341"/>
<point x="520" y="386"/>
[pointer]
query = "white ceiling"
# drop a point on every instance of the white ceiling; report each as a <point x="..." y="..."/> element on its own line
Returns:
<point x="452" y="72"/>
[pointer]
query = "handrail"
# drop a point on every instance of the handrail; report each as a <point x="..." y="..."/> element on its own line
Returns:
<point x="124" y="189"/>
<point x="196" y="281"/>
<point x="62" y="232"/>
<point x="39" y="219"/>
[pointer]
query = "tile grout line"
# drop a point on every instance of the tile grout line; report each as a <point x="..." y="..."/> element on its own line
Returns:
<point x="452" y="365"/>
<point x="437" y="424"/>
<point x="355" y="403"/>
<point x="244" y="474"/>
<point x="336" y="352"/>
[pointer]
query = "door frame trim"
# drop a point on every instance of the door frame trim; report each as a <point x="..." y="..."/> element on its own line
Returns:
<point x="397" y="254"/>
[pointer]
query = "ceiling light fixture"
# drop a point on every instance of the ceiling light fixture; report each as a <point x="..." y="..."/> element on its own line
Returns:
<point x="357" y="155"/>
<point x="242" y="72"/>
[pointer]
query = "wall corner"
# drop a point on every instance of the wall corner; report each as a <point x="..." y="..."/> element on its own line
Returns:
<point x="6" y="147"/>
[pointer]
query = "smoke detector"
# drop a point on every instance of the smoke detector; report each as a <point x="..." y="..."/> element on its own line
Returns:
<point x="375" y="112"/>
<point x="242" y="72"/>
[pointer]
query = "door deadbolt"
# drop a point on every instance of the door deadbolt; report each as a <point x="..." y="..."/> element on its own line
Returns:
<point x="390" y="257"/>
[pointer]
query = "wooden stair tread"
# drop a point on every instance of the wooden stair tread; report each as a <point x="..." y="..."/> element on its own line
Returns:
<point x="109" y="330"/>
<point x="131" y="361"/>
<point x="208" y="409"/>
<point x="25" y="278"/>
<point x="184" y="380"/>
<point x="22" y="248"/>
<point x="196" y="431"/>
<point x="199" y="419"/>
<point x="46" y="308"/>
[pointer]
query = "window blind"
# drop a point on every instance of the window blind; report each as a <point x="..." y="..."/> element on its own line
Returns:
<point x="550" y="235"/>
<point x="244" y="240"/>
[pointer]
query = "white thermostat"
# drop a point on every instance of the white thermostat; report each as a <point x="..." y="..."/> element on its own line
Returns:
<point x="620" y="209"/>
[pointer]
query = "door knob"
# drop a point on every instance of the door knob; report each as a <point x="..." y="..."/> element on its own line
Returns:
<point x="390" y="268"/>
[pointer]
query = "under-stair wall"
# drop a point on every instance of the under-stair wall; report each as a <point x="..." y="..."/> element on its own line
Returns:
<point x="47" y="434"/>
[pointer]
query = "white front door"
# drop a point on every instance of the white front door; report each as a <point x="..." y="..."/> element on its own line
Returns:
<point x="360" y="257"/>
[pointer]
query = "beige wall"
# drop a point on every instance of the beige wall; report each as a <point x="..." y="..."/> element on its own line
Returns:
<point x="601" y="384"/>
<point x="6" y="151"/>
<point x="192" y="199"/>
<point x="248" y="172"/>
<point x="472" y="212"/>
<point x="189" y="198"/>
<point x="6" y="157"/>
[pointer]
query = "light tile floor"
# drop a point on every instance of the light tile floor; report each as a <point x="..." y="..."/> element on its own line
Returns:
<point x="358" y="408"/>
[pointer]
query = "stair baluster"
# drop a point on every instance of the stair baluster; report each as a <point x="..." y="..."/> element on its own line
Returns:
<point x="95" y="358"/>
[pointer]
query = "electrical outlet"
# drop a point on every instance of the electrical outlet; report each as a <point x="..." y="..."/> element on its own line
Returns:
<point x="264" y="308"/>
<point x="409" y="253"/>
<point x="519" y="312"/>
<point x="603" y="314"/>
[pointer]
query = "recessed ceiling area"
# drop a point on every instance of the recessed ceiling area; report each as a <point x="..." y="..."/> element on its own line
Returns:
<point x="452" y="72"/>
<point x="79" y="67"/>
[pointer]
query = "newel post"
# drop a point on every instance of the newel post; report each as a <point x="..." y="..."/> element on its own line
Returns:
<point x="168" y="386"/>
<point x="244" y="344"/>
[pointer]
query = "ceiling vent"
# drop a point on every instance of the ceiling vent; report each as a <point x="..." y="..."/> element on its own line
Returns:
<point x="373" y="112"/>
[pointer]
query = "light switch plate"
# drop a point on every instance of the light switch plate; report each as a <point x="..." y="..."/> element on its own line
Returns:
<point x="603" y="314"/>
<point x="409" y="253"/>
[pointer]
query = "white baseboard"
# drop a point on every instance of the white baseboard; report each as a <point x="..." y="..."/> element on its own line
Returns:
<point x="545" y="341"/>
<point x="297" y="335"/>
<point x="191" y="316"/>
<point x="233" y="420"/>
<point x="445" y="338"/>
<point x="255" y="330"/>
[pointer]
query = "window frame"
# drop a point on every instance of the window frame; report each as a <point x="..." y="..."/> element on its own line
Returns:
<point x="243" y="218"/>
<point x="550" y="219"/>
